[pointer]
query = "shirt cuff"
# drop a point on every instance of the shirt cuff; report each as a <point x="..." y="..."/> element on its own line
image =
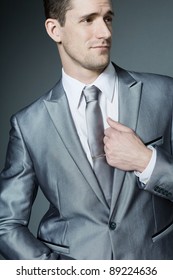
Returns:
<point x="144" y="177"/>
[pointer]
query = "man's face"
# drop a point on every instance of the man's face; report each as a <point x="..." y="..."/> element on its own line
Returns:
<point x="86" y="36"/>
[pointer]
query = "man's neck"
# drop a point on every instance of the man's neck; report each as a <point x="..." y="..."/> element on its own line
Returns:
<point x="85" y="76"/>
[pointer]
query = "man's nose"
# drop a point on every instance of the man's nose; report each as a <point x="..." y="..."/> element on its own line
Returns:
<point x="104" y="30"/>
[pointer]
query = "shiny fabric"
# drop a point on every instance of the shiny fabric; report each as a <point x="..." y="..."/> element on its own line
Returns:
<point x="103" y="171"/>
<point x="44" y="150"/>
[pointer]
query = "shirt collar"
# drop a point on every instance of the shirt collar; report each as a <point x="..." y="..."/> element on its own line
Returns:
<point x="73" y="89"/>
<point x="105" y="82"/>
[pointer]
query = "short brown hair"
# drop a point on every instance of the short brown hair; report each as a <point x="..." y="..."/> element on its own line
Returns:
<point x="57" y="9"/>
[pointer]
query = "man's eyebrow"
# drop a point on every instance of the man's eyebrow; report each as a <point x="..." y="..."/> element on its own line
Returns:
<point x="109" y="13"/>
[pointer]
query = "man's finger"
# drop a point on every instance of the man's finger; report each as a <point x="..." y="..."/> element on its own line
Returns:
<point x="118" y="126"/>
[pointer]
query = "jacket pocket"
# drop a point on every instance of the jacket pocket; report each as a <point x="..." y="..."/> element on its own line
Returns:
<point x="57" y="248"/>
<point x="155" y="142"/>
<point x="163" y="233"/>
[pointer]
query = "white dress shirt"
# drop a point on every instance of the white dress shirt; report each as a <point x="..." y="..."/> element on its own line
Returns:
<point x="107" y="82"/>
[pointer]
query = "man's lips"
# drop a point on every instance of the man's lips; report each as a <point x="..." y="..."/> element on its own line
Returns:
<point x="101" y="47"/>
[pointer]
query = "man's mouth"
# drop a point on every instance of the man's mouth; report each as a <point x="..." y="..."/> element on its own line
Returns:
<point x="101" y="47"/>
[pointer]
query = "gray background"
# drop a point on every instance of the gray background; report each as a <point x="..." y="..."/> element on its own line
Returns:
<point x="29" y="63"/>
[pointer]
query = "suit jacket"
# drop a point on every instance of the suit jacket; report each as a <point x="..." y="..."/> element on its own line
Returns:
<point x="44" y="150"/>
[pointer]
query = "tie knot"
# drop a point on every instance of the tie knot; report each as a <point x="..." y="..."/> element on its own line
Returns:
<point x="91" y="93"/>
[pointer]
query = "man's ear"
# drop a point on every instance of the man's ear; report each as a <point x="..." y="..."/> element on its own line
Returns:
<point x="53" y="29"/>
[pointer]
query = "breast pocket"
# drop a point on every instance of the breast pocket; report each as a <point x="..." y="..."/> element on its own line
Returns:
<point x="155" y="142"/>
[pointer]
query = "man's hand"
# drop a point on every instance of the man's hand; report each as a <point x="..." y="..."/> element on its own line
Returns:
<point x="124" y="149"/>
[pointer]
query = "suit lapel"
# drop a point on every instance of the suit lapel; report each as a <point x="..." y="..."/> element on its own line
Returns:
<point x="129" y="91"/>
<point x="59" y="112"/>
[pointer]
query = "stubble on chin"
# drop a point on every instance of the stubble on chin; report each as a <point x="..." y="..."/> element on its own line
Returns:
<point x="97" y="64"/>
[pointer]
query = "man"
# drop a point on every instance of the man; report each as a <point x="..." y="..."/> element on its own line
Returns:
<point x="112" y="204"/>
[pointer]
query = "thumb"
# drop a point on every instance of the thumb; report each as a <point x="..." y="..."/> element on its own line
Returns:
<point x="112" y="123"/>
<point x="118" y="126"/>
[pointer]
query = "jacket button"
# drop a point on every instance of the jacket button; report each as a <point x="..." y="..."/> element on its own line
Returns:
<point x="112" y="225"/>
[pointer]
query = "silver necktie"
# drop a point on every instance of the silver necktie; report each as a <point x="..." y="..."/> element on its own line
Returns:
<point x="102" y="170"/>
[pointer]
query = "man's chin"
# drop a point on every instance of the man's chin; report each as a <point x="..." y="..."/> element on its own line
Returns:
<point x="102" y="64"/>
<point x="97" y="65"/>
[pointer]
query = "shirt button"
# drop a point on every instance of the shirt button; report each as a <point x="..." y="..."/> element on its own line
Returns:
<point x="112" y="225"/>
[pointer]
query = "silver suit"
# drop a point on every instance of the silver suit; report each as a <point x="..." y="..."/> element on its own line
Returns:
<point x="44" y="150"/>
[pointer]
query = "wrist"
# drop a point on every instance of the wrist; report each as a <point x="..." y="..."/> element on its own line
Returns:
<point x="143" y="160"/>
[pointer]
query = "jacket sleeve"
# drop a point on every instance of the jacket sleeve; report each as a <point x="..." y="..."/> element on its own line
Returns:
<point x="161" y="181"/>
<point x="18" y="188"/>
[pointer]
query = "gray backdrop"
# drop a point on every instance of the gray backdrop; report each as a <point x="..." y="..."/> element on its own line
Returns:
<point x="29" y="64"/>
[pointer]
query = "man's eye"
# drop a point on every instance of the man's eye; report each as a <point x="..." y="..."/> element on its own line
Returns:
<point x="108" y="19"/>
<point x="88" y="20"/>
